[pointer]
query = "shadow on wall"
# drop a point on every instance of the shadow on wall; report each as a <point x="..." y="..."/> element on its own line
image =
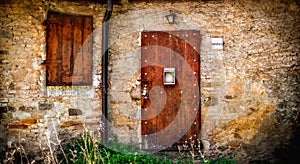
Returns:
<point x="289" y="153"/>
<point x="3" y="142"/>
<point x="5" y="113"/>
<point x="260" y="137"/>
<point x="274" y="142"/>
<point x="278" y="142"/>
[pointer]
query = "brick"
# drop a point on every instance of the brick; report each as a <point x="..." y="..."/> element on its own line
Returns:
<point x="67" y="124"/>
<point x="17" y="126"/>
<point x="29" y="121"/>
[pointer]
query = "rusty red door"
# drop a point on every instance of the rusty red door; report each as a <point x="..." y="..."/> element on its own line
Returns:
<point x="170" y="112"/>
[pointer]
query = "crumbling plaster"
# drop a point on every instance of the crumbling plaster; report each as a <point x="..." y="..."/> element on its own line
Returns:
<point x="254" y="79"/>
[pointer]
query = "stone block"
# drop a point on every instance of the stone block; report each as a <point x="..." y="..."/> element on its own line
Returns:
<point x="12" y="92"/>
<point x="74" y="112"/>
<point x="67" y="124"/>
<point x="222" y="148"/>
<point x="6" y="34"/>
<point x="21" y="115"/>
<point x="235" y="89"/>
<point x="3" y="100"/>
<point x="123" y="121"/>
<point x="4" y="52"/>
<point x="3" y="109"/>
<point x="135" y="93"/>
<point x="45" y="106"/>
<point x="7" y="115"/>
<point x="22" y="108"/>
<point x="30" y="108"/>
<point x="29" y="121"/>
<point x="27" y="108"/>
<point x="17" y="126"/>
<point x="3" y="104"/>
<point x="6" y="108"/>
<point x="210" y="101"/>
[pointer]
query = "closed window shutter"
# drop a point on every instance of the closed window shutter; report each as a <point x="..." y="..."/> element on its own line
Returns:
<point x="69" y="50"/>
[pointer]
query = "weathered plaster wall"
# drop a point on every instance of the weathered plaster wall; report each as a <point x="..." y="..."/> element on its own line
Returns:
<point x="33" y="114"/>
<point x="250" y="92"/>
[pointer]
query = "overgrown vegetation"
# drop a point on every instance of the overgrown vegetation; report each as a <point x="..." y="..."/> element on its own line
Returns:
<point x="86" y="149"/>
<point x="194" y="152"/>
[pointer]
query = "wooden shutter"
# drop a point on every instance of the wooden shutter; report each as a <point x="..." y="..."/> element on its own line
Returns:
<point x="69" y="50"/>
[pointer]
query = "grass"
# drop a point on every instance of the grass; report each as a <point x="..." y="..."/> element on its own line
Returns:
<point x="85" y="149"/>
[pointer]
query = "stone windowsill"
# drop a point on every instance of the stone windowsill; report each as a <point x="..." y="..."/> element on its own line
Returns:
<point x="71" y="91"/>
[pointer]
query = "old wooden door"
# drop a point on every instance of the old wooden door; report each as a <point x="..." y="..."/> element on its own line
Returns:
<point x="170" y="113"/>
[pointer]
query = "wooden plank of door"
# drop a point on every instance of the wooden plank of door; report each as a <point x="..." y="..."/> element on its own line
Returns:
<point x="193" y="47"/>
<point x="149" y="125"/>
<point x="178" y="47"/>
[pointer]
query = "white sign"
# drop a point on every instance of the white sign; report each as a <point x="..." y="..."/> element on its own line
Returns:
<point x="217" y="43"/>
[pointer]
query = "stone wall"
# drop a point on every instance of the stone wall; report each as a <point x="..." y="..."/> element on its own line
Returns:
<point x="33" y="114"/>
<point x="250" y="92"/>
<point x="243" y="86"/>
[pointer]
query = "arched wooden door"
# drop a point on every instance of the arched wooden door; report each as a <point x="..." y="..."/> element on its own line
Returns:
<point x="170" y="112"/>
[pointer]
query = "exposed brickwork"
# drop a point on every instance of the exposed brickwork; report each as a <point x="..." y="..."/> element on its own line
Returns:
<point x="255" y="79"/>
<point x="29" y="109"/>
<point x="256" y="72"/>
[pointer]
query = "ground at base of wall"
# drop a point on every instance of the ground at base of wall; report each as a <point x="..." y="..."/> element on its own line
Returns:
<point x="191" y="156"/>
